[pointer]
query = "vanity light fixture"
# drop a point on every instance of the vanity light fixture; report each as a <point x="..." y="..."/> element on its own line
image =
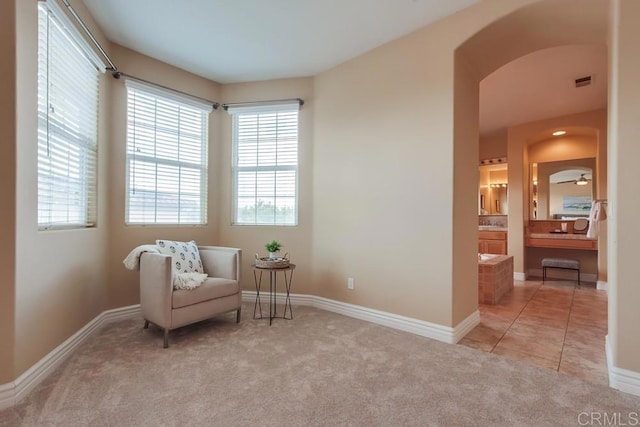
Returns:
<point x="559" y="133"/>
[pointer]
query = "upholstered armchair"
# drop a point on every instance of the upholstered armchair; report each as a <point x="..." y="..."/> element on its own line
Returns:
<point x="170" y="308"/>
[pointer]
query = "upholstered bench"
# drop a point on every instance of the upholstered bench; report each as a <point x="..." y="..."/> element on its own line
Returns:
<point x="564" y="263"/>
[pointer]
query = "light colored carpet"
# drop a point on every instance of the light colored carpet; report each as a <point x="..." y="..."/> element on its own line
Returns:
<point x="319" y="369"/>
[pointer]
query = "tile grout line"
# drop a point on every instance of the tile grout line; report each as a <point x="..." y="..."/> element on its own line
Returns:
<point x="566" y="329"/>
<point x="515" y="318"/>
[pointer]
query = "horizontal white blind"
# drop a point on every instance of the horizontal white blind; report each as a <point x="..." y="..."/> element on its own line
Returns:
<point x="266" y="166"/>
<point x="67" y="125"/>
<point x="166" y="158"/>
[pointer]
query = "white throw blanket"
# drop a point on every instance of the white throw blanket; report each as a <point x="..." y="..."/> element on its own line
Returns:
<point x="188" y="281"/>
<point x="180" y="280"/>
<point x="132" y="261"/>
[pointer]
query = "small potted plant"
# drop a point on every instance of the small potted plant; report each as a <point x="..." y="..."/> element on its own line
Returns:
<point x="273" y="247"/>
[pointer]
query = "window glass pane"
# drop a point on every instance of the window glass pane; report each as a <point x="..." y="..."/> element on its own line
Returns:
<point x="68" y="87"/>
<point x="266" y="167"/>
<point x="167" y="152"/>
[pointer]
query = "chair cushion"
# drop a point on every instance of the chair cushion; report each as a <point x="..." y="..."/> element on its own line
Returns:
<point x="185" y="255"/>
<point x="561" y="263"/>
<point x="212" y="288"/>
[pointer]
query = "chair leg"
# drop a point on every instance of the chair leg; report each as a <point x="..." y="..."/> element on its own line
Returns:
<point x="166" y="338"/>
<point x="238" y="315"/>
<point x="146" y="324"/>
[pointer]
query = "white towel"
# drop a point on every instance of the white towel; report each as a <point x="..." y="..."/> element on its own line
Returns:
<point x="132" y="261"/>
<point x="596" y="215"/>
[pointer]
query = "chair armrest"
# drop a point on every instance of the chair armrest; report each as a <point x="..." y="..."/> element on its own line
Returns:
<point x="156" y="288"/>
<point x="221" y="262"/>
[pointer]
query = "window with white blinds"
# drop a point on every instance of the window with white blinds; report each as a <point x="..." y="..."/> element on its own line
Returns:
<point x="265" y="164"/>
<point x="167" y="138"/>
<point x="68" y="87"/>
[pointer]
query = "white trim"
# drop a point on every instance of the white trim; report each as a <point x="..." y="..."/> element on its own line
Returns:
<point x="7" y="395"/>
<point x="464" y="327"/>
<point x="519" y="276"/>
<point x="619" y="378"/>
<point x="418" y="327"/>
<point x="74" y="33"/>
<point x="601" y="285"/>
<point x="12" y="393"/>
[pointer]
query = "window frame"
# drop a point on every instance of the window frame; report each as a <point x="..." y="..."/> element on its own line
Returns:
<point x="181" y="101"/>
<point x="263" y="108"/>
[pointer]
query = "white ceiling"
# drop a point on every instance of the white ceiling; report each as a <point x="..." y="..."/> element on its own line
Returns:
<point x="247" y="40"/>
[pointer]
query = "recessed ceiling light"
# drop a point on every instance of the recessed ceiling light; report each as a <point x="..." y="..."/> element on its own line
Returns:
<point x="559" y="133"/>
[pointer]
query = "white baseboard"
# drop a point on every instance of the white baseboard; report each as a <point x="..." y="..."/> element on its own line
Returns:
<point x="559" y="274"/>
<point x="601" y="285"/>
<point x="619" y="378"/>
<point x="519" y="276"/>
<point x="419" y="327"/>
<point x="12" y="393"/>
<point x="7" y="395"/>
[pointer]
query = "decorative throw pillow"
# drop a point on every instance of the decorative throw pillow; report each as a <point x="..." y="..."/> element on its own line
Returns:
<point x="185" y="255"/>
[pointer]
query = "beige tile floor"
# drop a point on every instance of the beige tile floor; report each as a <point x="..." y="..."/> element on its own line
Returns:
<point x="556" y="326"/>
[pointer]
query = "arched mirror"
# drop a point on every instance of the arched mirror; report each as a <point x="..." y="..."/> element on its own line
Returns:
<point x="563" y="189"/>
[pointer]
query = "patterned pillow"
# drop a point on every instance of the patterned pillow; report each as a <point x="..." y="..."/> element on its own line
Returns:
<point x="185" y="255"/>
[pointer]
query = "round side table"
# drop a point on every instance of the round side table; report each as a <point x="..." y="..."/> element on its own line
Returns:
<point x="273" y="284"/>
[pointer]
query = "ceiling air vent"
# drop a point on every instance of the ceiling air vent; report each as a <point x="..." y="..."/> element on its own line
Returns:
<point x="583" y="81"/>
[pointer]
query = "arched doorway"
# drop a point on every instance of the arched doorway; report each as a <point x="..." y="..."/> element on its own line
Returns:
<point x="511" y="37"/>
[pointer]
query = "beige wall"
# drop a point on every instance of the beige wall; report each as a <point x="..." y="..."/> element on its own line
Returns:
<point x="565" y="147"/>
<point x="61" y="276"/>
<point x="493" y="145"/>
<point x="123" y="284"/>
<point x="8" y="186"/>
<point x="465" y="187"/>
<point x="588" y="261"/>
<point x="384" y="208"/>
<point x="624" y="175"/>
<point x="297" y="240"/>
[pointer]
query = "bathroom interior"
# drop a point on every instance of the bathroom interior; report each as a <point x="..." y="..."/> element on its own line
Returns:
<point x="542" y="162"/>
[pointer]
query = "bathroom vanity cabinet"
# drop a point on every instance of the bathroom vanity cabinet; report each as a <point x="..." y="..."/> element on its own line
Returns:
<point x="492" y="242"/>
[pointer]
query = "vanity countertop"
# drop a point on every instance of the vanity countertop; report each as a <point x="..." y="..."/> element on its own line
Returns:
<point x="491" y="228"/>
<point x="563" y="236"/>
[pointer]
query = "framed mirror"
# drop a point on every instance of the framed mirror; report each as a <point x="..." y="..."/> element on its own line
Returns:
<point x="493" y="190"/>
<point x="562" y="189"/>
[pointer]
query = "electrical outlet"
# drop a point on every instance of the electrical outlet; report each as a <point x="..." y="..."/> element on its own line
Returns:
<point x="350" y="283"/>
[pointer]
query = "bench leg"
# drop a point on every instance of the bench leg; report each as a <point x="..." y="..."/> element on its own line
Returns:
<point x="544" y="274"/>
<point x="579" y="278"/>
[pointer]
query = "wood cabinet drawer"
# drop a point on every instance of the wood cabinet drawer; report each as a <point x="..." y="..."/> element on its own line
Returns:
<point x="492" y="235"/>
<point x="591" y="245"/>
